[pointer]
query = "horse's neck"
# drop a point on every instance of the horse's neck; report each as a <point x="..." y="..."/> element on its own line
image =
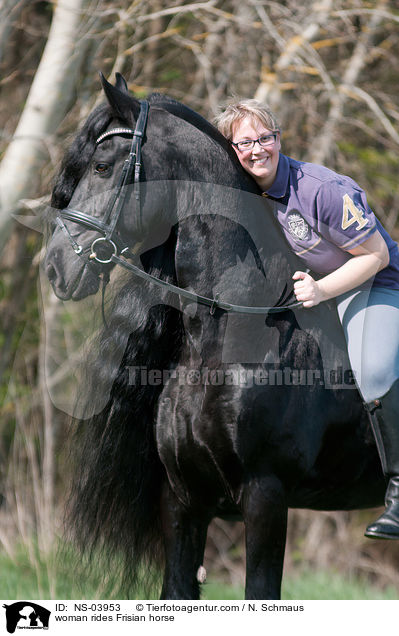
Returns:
<point x="217" y="256"/>
<point x="228" y="243"/>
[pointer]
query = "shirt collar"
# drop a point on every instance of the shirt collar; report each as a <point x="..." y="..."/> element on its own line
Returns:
<point x="280" y="184"/>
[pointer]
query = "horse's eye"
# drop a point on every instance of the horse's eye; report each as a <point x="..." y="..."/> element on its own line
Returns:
<point x="102" y="168"/>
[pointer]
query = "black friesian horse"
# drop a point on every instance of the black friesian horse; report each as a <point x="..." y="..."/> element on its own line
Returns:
<point x="210" y="412"/>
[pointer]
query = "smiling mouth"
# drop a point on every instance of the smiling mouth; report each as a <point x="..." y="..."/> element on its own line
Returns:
<point x="260" y="162"/>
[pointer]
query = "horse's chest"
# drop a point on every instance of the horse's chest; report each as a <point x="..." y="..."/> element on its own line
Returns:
<point x="195" y="446"/>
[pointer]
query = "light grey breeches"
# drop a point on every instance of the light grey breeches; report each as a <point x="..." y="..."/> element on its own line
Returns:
<point x="370" y="319"/>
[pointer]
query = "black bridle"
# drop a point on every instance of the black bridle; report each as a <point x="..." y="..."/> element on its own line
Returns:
<point x="111" y="242"/>
<point x="107" y="225"/>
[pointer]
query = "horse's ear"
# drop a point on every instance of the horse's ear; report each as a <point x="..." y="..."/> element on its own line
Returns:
<point x="121" y="83"/>
<point x="125" y="106"/>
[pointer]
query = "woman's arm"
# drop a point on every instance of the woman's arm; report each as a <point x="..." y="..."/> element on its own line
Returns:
<point x="370" y="257"/>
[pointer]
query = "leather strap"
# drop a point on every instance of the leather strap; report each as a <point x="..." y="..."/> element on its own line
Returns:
<point x="212" y="303"/>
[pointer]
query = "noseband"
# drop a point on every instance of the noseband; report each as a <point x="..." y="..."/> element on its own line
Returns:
<point x="115" y="247"/>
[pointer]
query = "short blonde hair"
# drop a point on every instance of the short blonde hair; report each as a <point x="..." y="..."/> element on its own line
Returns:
<point x="238" y="109"/>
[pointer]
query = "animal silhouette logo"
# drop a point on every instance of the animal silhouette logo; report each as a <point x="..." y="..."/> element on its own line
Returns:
<point x="26" y="615"/>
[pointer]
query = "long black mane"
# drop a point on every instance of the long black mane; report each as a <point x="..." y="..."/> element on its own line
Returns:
<point x="115" y="495"/>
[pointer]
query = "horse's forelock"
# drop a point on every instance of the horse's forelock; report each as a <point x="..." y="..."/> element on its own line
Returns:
<point x="78" y="156"/>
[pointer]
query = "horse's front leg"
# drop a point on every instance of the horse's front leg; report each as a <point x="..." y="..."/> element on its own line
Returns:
<point x="184" y="541"/>
<point x="265" y="517"/>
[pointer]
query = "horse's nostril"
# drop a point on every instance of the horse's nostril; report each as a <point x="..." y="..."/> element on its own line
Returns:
<point x="51" y="273"/>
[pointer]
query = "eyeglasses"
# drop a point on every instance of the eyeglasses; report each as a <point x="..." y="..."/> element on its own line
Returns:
<point x="248" y="144"/>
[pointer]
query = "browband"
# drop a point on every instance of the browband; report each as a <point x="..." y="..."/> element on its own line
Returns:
<point x="115" y="131"/>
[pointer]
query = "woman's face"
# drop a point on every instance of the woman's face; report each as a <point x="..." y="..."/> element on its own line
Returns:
<point x="260" y="162"/>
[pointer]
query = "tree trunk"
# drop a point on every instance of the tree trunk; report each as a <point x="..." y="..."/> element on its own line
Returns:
<point x="268" y="90"/>
<point x="323" y="143"/>
<point x="50" y="96"/>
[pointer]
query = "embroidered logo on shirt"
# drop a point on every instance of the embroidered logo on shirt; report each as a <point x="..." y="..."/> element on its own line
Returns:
<point x="352" y="214"/>
<point x="297" y="226"/>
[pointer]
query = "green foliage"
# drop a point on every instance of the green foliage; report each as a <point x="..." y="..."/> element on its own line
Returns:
<point x="317" y="586"/>
<point x="376" y="169"/>
<point x="170" y="75"/>
<point x="30" y="575"/>
<point x="329" y="585"/>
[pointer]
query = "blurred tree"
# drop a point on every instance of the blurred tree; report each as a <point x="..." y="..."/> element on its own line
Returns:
<point x="50" y="97"/>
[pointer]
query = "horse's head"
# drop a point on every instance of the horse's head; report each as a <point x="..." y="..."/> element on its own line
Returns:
<point x="103" y="194"/>
<point x="134" y="171"/>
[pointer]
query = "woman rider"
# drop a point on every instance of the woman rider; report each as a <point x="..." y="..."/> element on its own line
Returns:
<point x="327" y="222"/>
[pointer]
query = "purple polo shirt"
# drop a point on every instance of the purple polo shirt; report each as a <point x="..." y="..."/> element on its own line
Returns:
<point x="323" y="214"/>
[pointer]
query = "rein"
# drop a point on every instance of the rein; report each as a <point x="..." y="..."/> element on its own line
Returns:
<point x="213" y="303"/>
<point x="107" y="227"/>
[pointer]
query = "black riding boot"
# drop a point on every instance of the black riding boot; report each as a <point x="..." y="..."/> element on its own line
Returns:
<point x="384" y="419"/>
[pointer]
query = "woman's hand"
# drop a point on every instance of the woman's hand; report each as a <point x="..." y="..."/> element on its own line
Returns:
<point x="307" y="289"/>
<point x="368" y="258"/>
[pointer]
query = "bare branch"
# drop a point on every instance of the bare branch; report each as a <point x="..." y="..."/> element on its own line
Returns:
<point x="378" y="13"/>
<point x="268" y="89"/>
<point x="184" y="8"/>
<point x="322" y="145"/>
<point x="356" y="93"/>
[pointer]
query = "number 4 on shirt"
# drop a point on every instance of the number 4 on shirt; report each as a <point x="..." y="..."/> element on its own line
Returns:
<point x="351" y="214"/>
